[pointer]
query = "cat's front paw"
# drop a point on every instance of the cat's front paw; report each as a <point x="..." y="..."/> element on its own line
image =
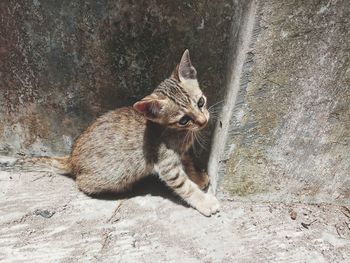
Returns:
<point x="208" y="205"/>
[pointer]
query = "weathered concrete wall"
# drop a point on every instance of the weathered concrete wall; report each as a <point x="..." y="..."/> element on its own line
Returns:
<point x="63" y="63"/>
<point x="290" y="129"/>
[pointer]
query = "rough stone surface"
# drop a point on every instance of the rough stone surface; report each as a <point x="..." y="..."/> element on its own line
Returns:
<point x="44" y="218"/>
<point x="63" y="63"/>
<point x="290" y="131"/>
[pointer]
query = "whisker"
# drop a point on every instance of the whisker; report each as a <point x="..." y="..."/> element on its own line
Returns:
<point x="214" y="113"/>
<point x="184" y="142"/>
<point x="200" y="143"/>
<point x="194" y="147"/>
<point x="203" y="138"/>
<point x="215" y="104"/>
<point x="213" y="110"/>
<point x="218" y="102"/>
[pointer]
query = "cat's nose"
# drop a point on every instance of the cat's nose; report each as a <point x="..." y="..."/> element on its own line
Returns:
<point x="201" y="121"/>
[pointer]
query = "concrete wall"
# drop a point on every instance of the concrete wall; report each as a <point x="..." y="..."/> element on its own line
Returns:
<point x="63" y="63"/>
<point x="284" y="64"/>
<point x="289" y="134"/>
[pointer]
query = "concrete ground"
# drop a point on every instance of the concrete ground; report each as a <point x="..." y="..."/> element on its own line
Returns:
<point x="44" y="218"/>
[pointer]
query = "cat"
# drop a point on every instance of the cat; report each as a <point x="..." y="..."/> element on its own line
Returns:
<point x="152" y="137"/>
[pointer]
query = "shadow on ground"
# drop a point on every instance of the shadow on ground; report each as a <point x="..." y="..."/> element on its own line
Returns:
<point x="150" y="185"/>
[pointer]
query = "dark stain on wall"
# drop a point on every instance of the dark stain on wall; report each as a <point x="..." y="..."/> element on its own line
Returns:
<point x="64" y="63"/>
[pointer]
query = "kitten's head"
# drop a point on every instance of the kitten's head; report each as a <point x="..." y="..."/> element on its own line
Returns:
<point x="177" y="102"/>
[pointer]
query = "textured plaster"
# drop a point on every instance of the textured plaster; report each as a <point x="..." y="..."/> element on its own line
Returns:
<point x="290" y="130"/>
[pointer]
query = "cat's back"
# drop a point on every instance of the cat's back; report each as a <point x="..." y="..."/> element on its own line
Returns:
<point x="120" y="118"/>
<point x="120" y="129"/>
<point x="123" y="120"/>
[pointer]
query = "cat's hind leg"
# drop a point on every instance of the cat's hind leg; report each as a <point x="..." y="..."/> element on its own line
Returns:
<point x="94" y="185"/>
<point x="87" y="185"/>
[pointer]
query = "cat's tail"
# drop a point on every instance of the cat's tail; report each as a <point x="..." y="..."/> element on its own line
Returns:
<point x="59" y="165"/>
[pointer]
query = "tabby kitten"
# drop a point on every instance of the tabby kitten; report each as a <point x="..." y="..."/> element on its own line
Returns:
<point x="152" y="137"/>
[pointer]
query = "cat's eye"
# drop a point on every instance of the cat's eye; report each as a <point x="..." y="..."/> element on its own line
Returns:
<point x="184" y="120"/>
<point x="201" y="102"/>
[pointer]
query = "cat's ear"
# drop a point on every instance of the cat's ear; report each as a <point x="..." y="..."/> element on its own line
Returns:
<point x="149" y="106"/>
<point x="185" y="71"/>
